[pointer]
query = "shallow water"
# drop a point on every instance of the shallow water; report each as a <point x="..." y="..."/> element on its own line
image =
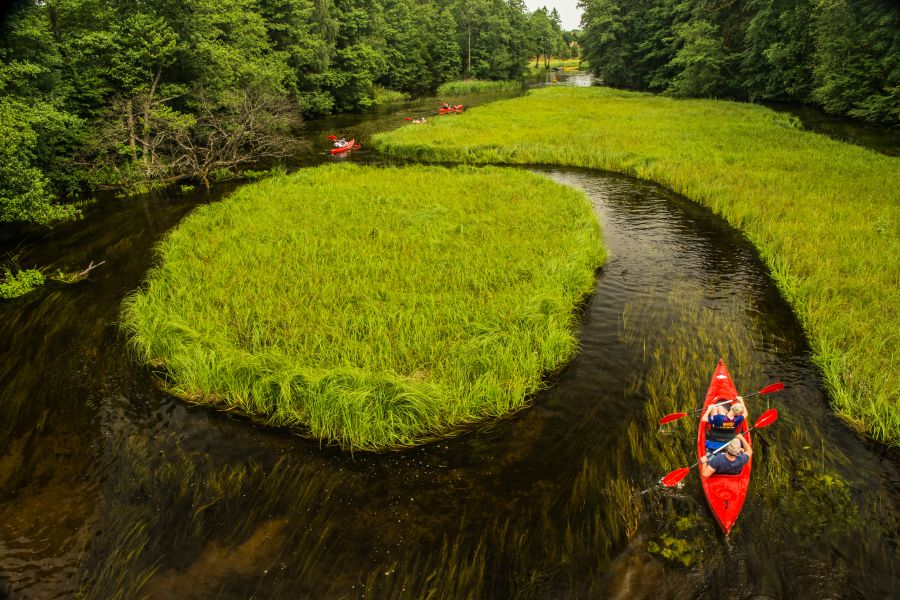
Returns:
<point x="112" y="488"/>
<point x="880" y="138"/>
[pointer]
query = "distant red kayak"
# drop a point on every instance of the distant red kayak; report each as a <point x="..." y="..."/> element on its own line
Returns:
<point x="725" y="493"/>
<point x="452" y="109"/>
<point x="351" y="145"/>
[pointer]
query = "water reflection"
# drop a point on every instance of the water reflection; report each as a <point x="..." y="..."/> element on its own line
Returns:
<point x="881" y="138"/>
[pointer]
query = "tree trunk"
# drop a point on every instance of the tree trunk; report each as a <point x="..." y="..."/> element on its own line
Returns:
<point x="148" y="158"/>
<point x="132" y="137"/>
<point x="469" y="32"/>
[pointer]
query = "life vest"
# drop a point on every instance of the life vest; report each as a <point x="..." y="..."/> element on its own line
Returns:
<point x="725" y="430"/>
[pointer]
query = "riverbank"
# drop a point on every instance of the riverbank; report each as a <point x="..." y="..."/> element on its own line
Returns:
<point x="823" y="214"/>
<point x="375" y="308"/>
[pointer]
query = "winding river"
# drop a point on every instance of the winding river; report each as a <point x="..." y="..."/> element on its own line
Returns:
<point x="110" y="488"/>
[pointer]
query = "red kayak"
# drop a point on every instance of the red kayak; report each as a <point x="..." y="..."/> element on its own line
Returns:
<point x="351" y="145"/>
<point x="725" y="493"/>
<point x="452" y="109"/>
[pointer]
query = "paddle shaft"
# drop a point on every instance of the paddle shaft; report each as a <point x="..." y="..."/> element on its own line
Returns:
<point x="723" y="446"/>
<point x="673" y="478"/>
<point x="678" y="474"/>
<point x="775" y="387"/>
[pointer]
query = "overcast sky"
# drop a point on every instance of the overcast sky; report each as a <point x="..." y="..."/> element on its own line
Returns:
<point x="569" y="13"/>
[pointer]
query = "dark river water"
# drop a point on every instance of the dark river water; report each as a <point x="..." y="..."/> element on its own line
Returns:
<point x="110" y="488"/>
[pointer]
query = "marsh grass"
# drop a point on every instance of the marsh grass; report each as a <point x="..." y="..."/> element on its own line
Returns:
<point x="472" y="86"/>
<point x="385" y="96"/>
<point x="375" y="308"/>
<point x="824" y="215"/>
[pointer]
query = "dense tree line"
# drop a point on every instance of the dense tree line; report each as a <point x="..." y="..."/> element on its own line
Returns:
<point x="842" y="55"/>
<point x="112" y="92"/>
<point x="549" y="39"/>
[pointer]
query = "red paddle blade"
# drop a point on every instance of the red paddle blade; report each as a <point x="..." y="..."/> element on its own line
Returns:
<point x="672" y="417"/>
<point x="675" y="477"/>
<point x="767" y="418"/>
<point x="332" y="137"/>
<point x="775" y="387"/>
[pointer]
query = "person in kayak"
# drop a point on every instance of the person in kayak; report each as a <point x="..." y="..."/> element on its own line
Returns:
<point x="340" y="143"/>
<point x="723" y="423"/>
<point x="729" y="462"/>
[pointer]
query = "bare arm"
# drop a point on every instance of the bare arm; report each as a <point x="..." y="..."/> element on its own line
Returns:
<point x="705" y="469"/>
<point x="747" y="449"/>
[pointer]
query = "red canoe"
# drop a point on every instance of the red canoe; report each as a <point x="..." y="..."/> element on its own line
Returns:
<point x="452" y="109"/>
<point x="725" y="493"/>
<point x="351" y="145"/>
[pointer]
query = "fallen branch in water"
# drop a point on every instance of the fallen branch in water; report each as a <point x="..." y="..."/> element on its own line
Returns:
<point x="76" y="277"/>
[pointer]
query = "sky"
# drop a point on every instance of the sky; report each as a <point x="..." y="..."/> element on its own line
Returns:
<point x="569" y="13"/>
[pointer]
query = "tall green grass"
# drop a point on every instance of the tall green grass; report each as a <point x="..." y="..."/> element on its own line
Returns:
<point x="376" y="307"/>
<point x="824" y="215"/>
<point x="385" y="96"/>
<point x="471" y="86"/>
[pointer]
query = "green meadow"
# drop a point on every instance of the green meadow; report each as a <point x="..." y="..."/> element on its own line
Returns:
<point x="824" y="215"/>
<point x="375" y="308"/>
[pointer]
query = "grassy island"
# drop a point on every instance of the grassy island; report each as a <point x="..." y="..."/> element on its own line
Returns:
<point x="824" y="215"/>
<point x="375" y="308"/>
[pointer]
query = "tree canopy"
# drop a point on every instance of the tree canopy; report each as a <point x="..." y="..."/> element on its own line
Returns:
<point x="841" y="55"/>
<point x="97" y="92"/>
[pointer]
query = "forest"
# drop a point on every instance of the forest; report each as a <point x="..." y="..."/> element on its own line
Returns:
<point x="840" y="55"/>
<point x="98" y="93"/>
<point x="136" y="94"/>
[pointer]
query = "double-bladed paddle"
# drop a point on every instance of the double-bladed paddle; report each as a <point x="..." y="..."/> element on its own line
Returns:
<point x="675" y="477"/>
<point x="775" y="387"/>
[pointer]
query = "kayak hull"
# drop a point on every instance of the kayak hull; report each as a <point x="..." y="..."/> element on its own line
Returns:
<point x="724" y="493"/>
<point x="453" y="109"/>
<point x="351" y="145"/>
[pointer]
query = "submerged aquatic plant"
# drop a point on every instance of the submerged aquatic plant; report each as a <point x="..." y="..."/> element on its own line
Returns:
<point x="373" y="307"/>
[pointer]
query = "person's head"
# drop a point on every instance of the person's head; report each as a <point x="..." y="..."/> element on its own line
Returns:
<point x="734" y="447"/>
<point x="737" y="408"/>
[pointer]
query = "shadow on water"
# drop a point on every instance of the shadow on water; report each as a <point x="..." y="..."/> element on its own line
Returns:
<point x="881" y="138"/>
<point x="112" y="489"/>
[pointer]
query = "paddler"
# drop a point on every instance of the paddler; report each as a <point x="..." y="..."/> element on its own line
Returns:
<point x="723" y="422"/>
<point x="730" y="462"/>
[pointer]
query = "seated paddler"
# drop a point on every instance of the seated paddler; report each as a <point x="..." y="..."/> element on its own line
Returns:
<point x="723" y="421"/>
<point x="728" y="462"/>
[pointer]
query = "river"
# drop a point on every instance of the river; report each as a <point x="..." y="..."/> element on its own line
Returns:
<point x="111" y="488"/>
